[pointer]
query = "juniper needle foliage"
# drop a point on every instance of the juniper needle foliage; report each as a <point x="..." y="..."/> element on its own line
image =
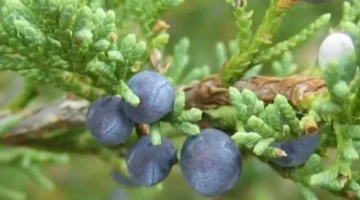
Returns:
<point x="90" y="50"/>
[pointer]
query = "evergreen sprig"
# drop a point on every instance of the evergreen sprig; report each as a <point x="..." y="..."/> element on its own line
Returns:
<point x="28" y="161"/>
<point x="67" y="41"/>
<point x="180" y="61"/>
<point x="258" y="126"/>
<point x="290" y="43"/>
<point x="285" y="67"/>
<point x="77" y="46"/>
<point x="146" y="12"/>
<point x="242" y="60"/>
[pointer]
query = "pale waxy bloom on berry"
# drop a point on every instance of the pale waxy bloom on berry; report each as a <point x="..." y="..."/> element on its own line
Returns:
<point x="335" y="47"/>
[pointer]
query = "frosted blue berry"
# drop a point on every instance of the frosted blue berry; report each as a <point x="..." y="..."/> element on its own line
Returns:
<point x="210" y="162"/>
<point x="298" y="150"/>
<point x="156" y="95"/>
<point x="107" y="123"/>
<point x="149" y="165"/>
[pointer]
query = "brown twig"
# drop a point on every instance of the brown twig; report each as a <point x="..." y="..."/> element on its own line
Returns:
<point x="208" y="92"/>
<point x="142" y="129"/>
<point x="66" y="112"/>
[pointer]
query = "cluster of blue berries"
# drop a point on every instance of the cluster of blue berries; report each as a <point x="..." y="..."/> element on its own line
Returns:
<point x="210" y="161"/>
<point x="111" y="120"/>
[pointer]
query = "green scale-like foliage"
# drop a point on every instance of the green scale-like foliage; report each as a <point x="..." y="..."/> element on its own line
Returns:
<point x="71" y="45"/>
<point x="89" y="48"/>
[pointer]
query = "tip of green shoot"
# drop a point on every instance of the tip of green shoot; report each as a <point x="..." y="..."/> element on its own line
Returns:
<point x="326" y="17"/>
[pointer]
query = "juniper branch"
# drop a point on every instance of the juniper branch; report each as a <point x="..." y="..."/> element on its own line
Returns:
<point x="37" y="128"/>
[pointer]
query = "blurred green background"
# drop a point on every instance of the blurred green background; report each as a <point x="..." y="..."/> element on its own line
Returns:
<point x="204" y="22"/>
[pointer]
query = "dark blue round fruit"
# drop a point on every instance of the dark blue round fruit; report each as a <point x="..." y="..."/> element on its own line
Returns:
<point x="156" y="95"/>
<point x="210" y="162"/>
<point x="107" y="123"/>
<point x="149" y="165"/>
<point x="298" y="150"/>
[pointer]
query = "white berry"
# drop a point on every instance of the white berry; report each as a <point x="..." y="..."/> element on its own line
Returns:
<point x="335" y="47"/>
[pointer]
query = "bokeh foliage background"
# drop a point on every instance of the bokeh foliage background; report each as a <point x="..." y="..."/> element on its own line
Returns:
<point x="205" y="23"/>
